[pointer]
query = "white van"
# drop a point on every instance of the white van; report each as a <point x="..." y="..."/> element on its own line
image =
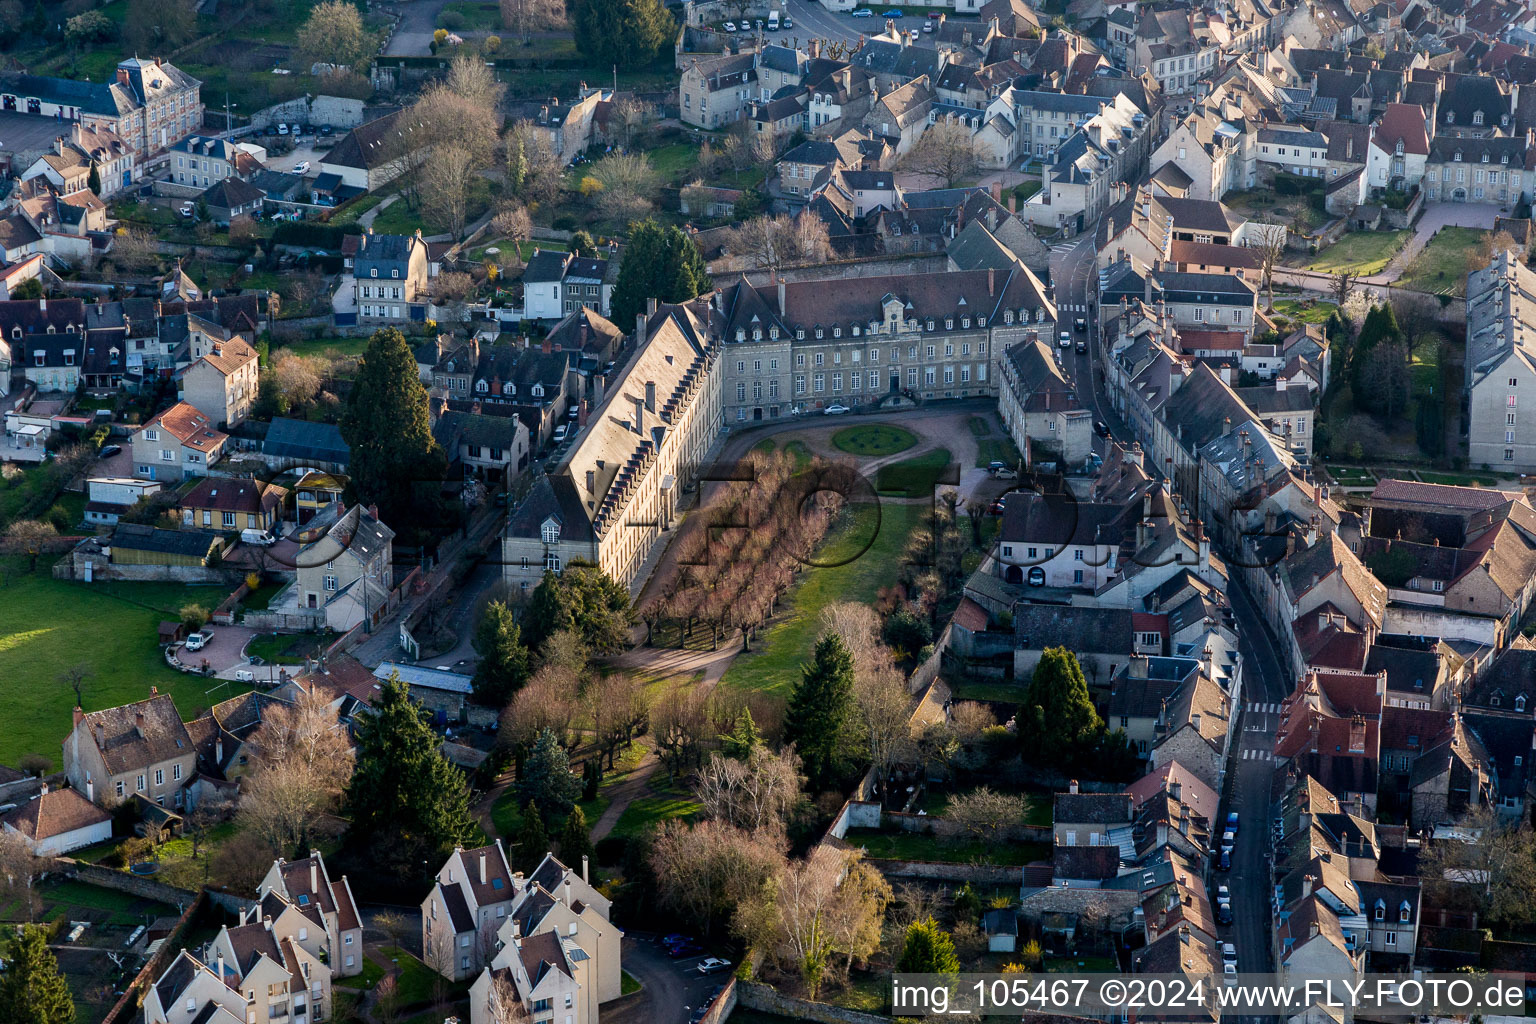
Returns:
<point x="773" y="21"/>
<point x="259" y="538"/>
<point x="245" y="675"/>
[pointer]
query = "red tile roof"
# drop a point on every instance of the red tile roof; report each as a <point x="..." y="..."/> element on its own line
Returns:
<point x="55" y="813"/>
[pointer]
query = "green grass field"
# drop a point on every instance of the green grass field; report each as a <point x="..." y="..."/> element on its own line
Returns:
<point x="1306" y="312"/>
<point x="1360" y="252"/>
<point x="287" y="648"/>
<point x="1458" y="479"/>
<point x="852" y="568"/>
<point x="645" y="812"/>
<point x="915" y="477"/>
<point x="921" y="846"/>
<point x="1442" y="266"/>
<point x="994" y="449"/>
<point x="873" y="440"/>
<point x="328" y="348"/>
<point x="52" y="625"/>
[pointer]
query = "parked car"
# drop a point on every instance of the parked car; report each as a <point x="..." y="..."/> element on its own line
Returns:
<point x="110" y="450"/>
<point x="684" y="951"/>
<point x="1228" y="953"/>
<point x="759" y="24"/>
<point x="326" y="129"/>
<point x="282" y="129"/>
<point x="302" y="167"/>
<point x="197" y="641"/>
<point x="729" y="26"/>
<point x="836" y="410"/>
<point x="1223" y="893"/>
<point x="1101" y="427"/>
<point x="1004" y="474"/>
<point x="187" y="210"/>
<point x="1082" y="346"/>
<point x="862" y="12"/>
<point x="712" y="965"/>
<point x="1232" y="822"/>
<point x="1036" y="576"/>
<point x="1223" y="913"/>
<point x="1224" y="862"/>
<point x="894" y="12"/>
<point x="1065" y="339"/>
<point x="675" y="938"/>
<point x="927" y="26"/>
<point x="257" y="538"/>
<point x="788" y="22"/>
<point x="560" y="433"/>
<point x="934" y="15"/>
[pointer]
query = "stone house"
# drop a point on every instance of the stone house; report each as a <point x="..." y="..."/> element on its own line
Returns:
<point x="1038" y="404"/>
<point x="201" y="161"/>
<point x="178" y="443"/>
<point x="306" y="886"/>
<point x="56" y="821"/>
<point x="467" y="906"/>
<point x="140" y="749"/>
<point x="221" y="380"/>
<point x="718" y="92"/>
<point x="344" y="566"/>
<point x="389" y="278"/>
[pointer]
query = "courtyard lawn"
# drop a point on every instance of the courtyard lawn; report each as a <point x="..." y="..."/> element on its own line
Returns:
<point x="1442" y="266"/>
<point x="287" y="648"/>
<point x="1360" y="252"/>
<point x="1304" y="311"/>
<point x="922" y="846"/>
<point x="48" y="629"/>
<point x="875" y="439"/>
<point x="1352" y="476"/>
<point x="1458" y="479"/>
<point x="329" y="348"/>
<point x="995" y="449"/>
<point x="643" y="813"/>
<point x="470" y="16"/>
<point x="915" y="477"/>
<point x="851" y="568"/>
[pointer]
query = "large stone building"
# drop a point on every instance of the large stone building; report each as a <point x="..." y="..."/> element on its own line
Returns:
<point x="1501" y="364"/>
<point x="798" y="346"/>
<point x="616" y="490"/>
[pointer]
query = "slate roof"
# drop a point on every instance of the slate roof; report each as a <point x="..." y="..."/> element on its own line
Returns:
<point x="1092" y="808"/>
<point x="301" y="439"/>
<point x="189" y="543"/>
<point x="1038" y="626"/>
<point x="128" y="744"/>
<point x="231" y="193"/>
<point x="371" y="144"/>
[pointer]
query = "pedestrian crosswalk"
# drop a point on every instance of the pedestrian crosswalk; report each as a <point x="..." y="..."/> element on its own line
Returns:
<point x="1258" y="755"/>
<point x="1068" y="307"/>
<point x="1258" y="708"/>
<point x="1064" y="246"/>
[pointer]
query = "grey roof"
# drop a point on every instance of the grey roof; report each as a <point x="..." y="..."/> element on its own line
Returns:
<point x="232" y="193"/>
<point x="190" y="543"/>
<point x="782" y="58"/>
<point x="384" y="253"/>
<point x="1038" y="626"/>
<point x="1187" y="287"/>
<point x="301" y="439"/>
<point x="90" y="97"/>
<point x="1092" y="808"/>
<point x="1296" y="137"/>
<point x="431" y="678"/>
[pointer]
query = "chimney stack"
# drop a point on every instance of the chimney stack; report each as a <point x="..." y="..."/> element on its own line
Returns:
<point x="1072" y="786"/>
<point x="546" y="347"/>
<point x="79" y="714"/>
<point x="314" y="872"/>
<point x="482" y="867"/>
<point x="640" y="416"/>
<point x="584" y="876"/>
<point x="650" y="395"/>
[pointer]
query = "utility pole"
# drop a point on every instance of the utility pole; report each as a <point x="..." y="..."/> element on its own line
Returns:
<point x="227" y="126"/>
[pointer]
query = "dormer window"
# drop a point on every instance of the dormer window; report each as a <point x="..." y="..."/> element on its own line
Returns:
<point x="1520" y="703"/>
<point x="741" y="334"/>
<point x="509" y="388"/>
<point x="757" y="334"/>
<point x="481" y="386"/>
<point x="1485" y="158"/>
<point x="855" y="330"/>
<point x="773" y="334"/>
<point x="800" y="334"/>
<point x="1007" y="316"/>
<point x="1504" y="120"/>
<point x="538" y="391"/>
<point x="949" y="323"/>
<point x="550" y="533"/>
<point x="1381" y="910"/>
<point x="1504" y="159"/>
<point x="394" y="273"/>
<point x="1477" y="117"/>
<point x="1399" y="149"/>
<point x="820" y="333"/>
<point x="930" y="325"/>
<point x="374" y="272"/>
<point x="1456" y="157"/>
<point x="1404" y="912"/>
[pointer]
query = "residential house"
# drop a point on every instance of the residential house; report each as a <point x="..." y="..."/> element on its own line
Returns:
<point x="1052" y="539"/>
<point x="556" y="284"/>
<point x="510" y="379"/>
<point x="314" y="491"/>
<point x="569" y="128"/>
<point x="1452" y="778"/>
<point x="139" y="749"/>
<point x="57" y="821"/>
<point x="1479" y="170"/>
<point x="45" y="341"/>
<point x="221" y="381"/>
<point x="177" y="443"/>
<point x="191" y="991"/>
<point x="901" y="115"/>
<point x="344" y="566"/>
<point x="1399" y="150"/>
<point x="107" y="498"/>
<point x="1087" y="819"/>
<point x="230" y="199"/>
<point x="305" y="884"/>
<point x="489" y="448"/>
<point x="282" y="980"/>
<point x="716" y="92"/>
<point x="389" y="278"/>
<point x="202" y="161"/>
<point x="373" y="154"/>
<point x="147" y="102"/>
<point x="467" y="906"/>
<point x="232" y="503"/>
<point x="292" y="444"/>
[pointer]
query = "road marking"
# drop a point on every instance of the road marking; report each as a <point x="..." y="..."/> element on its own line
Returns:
<point x="1258" y="755"/>
<point x="1264" y="709"/>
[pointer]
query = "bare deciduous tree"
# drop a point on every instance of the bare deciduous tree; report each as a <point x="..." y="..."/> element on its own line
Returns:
<point x="302" y="764"/>
<point x="884" y="710"/>
<point x="983" y="813"/>
<point x="74" y="677"/>
<point x="452" y="286"/>
<point x="513" y="224"/>
<point x="19" y="869"/>
<point x="947" y="150"/>
<point x="858" y="912"/>
<point x="1489" y="245"/>
<point x="629" y="118"/>
<point x="472" y="80"/>
<point x="549" y="701"/>
<point x="529" y="16"/>
<point x="134" y="250"/>
<point x="680" y="726"/>
<point x="298" y="377"/>
<point x="1487" y="864"/>
<point x="628" y="183"/>
<point x="774" y="242"/>
<point x="541" y="173"/>
<point x="705" y="870"/>
<point x="754" y="793"/>
<point x="618" y="709"/>
<point x="506" y="1006"/>
<point x="444" y="182"/>
<point x="1269" y="241"/>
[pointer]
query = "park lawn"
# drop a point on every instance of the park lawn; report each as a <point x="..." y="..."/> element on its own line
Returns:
<point x="646" y="812"/>
<point x="1304" y="311"/>
<point x="802" y="453"/>
<point x="43" y="636"/>
<point x="915" y="477"/>
<point x="1458" y="479"/>
<point x="1360" y="252"/>
<point x="1442" y="267"/>
<point x="852" y="568"/>
<point x="922" y="846"/>
<point x="874" y="440"/>
<point x="979" y="426"/>
<point x="1026" y="189"/>
<point x="1352" y="476"/>
<point x="993" y="449"/>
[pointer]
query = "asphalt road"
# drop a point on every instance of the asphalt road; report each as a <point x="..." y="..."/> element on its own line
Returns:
<point x="671" y="988"/>
<point x="813" y="21"/>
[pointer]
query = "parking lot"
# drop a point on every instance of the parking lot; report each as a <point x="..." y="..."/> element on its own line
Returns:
<point x="672" y="990"/>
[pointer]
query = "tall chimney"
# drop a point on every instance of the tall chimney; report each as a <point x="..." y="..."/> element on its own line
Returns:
<point x="640" y="416"/>
<point x="639" y="330"/>
<point x="584" y="876"/>
<point x="79" y="714"/>
<point x="781" y="298"/>
<point x="482" y="867"/>
<point x="650" y="395"/>
<point x="314" y="872"/>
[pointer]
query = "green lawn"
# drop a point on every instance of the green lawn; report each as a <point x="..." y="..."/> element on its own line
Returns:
<point x="993" y="449"/>
<point x="1360" y="252"/>
<point x="1304" y="311"/>
<point x="915" y="477"/>
<point x="415" y="986"/>
<point x="472" y="16"/>
<point x="1442" y="266"/>
<point x="628" y="983"/>
<point x="287" y="648"/>
<point x="1458" y="479"/>
<point x="1352" y="476"/>
<point x="329" y="348"/>
<point x="920" y="846"/>
<point x="979" y="426"/>
<point x="1028" y="188"/>
<point x="1037" y="808"/>
<point x="874" y="439"/>
<point x="372" y="972"/>
<point x="647" y="811"/>
<point x="49" y="626"/>
<point x="852" y="567"/>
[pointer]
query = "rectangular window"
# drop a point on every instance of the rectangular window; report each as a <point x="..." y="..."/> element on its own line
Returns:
<point x="330" y="583"/>
<point x="176" y="771"/>
<point x="159" y="776"/>
<point x="119" y="789"/>
<point x="139" y="784"/>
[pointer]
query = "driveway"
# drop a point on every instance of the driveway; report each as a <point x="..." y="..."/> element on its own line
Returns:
<point x="671" y="988"/>
<point x="224" y="654"/>
<point x="413" y="36"/>
<point x="299" y="154"/>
